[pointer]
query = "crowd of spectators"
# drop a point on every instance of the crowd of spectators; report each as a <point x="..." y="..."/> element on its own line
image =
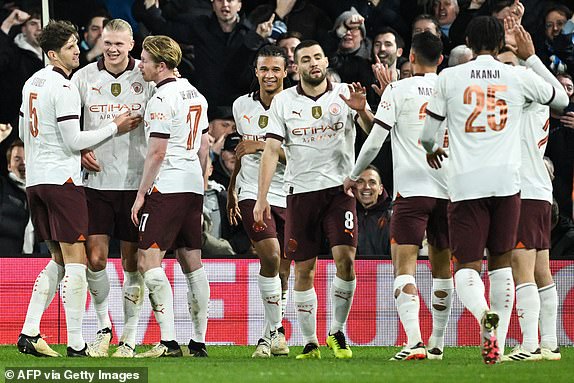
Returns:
<point x="221" y="37"/>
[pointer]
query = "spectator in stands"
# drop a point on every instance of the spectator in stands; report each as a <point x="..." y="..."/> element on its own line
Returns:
<point x="405" y="68"/>
<point x="20" y="57"/>
<point x="294" y="16"/>
<point x="224" y="163"/>
<point x="289" y="42"/>
<point x="560" y="150"/>
<point x="459" y="55"/>
<point x="558" y="50"/>
<point x="373" y="214"/>
<point x="353" y="52"/>
<point x="225" y="46"/>
<point x="92" y="45"/>
<point x="16" y="231"/>
<point x="221" y="124"/>
<point x="216" y="223"/>
<point x="445" y="12"/>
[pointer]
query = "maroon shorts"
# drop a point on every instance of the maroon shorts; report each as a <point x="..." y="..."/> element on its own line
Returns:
<point x="413" y="215"/>
<point x="477" y="224"/>
<point x="275" y="226"/>
<point x="59" y="212"/>
<point x="314" y="216"/>
<point x="171" y="220"/>
<point x="109" y="213"/>
<point x="534" y="226"/>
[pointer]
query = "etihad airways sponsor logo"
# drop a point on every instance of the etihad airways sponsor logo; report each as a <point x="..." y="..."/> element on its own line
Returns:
<point x="319" y="129"/>
<point x="114" y="108"/>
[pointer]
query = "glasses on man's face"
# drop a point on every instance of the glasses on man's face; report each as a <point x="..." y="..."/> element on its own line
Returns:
<point x="558" y="24"/>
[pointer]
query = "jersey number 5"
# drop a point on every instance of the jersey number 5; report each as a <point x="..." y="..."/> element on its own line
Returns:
<point x="491" y="105"/>
<point x="193" y="124"/>
<point x="33" y="114"/>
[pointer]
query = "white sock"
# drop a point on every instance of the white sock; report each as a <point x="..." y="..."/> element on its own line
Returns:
<point x="528" y="309"/>
<point x="270" y="289"/>
<point x="284" y="300"/>
<point x="161" y="298"/>
<point x="470" y="291"/>
<point x="43" y="292"/>
<point x="442" y="292"/>
<point x="306" y="306"/>
<point x="342" y="293"/>
<point x="133" y="289"/>
<point x="502" y="300"/>
<point x="99" y="286"/>
<point x="74" y="295"/>
<point x="548" y="316"/>
<point x="198" y="302"/>
<point x="408" y="306"/>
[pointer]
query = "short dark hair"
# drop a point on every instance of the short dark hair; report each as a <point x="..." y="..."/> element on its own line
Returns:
<point x="376" y="170"/>
<point x="498" y="5"/>
<point x="485" y="33"/>
<point x="289" y="35"/>
<point x="427" y="47"/>
<point x="56" y="34"/>
<point x="426" y="16"/>
<point x="398" y="38"/>
<point x="271" y="51"/>
<point x="17" y="143"/>
<point x="305" y="44"/>
<point x="560" y="8"/>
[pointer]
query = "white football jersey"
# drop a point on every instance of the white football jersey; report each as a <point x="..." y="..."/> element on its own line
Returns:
<point x="251" y="120"/>
<point x="178" y="112"/>
<point x="535" y="180"/>
<point x="47" y="98"/>
<point x="319" y="136"/>
<point x="105" y="96"/>
<point x="402" y="110"/>
<point x="483" y="101"/>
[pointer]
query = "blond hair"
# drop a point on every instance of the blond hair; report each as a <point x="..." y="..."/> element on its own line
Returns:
<point x="119" y="25"/>
<point x="163" y="49"/>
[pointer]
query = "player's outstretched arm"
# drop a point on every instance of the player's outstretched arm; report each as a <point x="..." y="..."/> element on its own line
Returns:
<point x="267" y="168"/>
<point x="155" y="154"/>
<point x="368" y="152"/>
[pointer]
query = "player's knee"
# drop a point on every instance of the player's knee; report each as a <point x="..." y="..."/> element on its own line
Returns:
<point x="345" y="266"/>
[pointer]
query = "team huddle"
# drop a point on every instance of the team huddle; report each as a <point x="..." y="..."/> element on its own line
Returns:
<point x="467" y="165"/>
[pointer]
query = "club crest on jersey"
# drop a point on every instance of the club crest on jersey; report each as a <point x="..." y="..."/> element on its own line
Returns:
<point x="116" y="89"/>
<point x="137" y="88"/>
<point x="316" y="112"/>
<point x="263" y="121"/>
<point x="334" y="109"/>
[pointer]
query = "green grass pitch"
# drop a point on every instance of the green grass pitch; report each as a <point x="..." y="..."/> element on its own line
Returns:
<point x="369" y="364"/>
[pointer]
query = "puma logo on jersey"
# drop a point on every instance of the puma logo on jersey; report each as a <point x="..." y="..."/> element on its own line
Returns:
<point x="67" y="86"/>
<point x="99" y="90"/>
<point x="247" y="118"/>
<point x="159" y="98"/>
<point x="297" y="113"/>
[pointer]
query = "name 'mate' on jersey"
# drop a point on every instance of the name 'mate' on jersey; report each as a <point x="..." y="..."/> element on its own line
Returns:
<point x="483" y="101"/>
<point x="535" y="180"/>
<point x="319" y="136"/>
<point x="402" y="110"/>
<point x="178" y="112"/>
<point x="105" y="96"/>
<point x="48" y="97"/>
<point x="251" y="120"/>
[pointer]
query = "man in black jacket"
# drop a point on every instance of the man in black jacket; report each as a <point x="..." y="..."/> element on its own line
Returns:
<point x="373" y="214"/>
<point x="225" y="46"/>
<point x="14" y="212"/>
